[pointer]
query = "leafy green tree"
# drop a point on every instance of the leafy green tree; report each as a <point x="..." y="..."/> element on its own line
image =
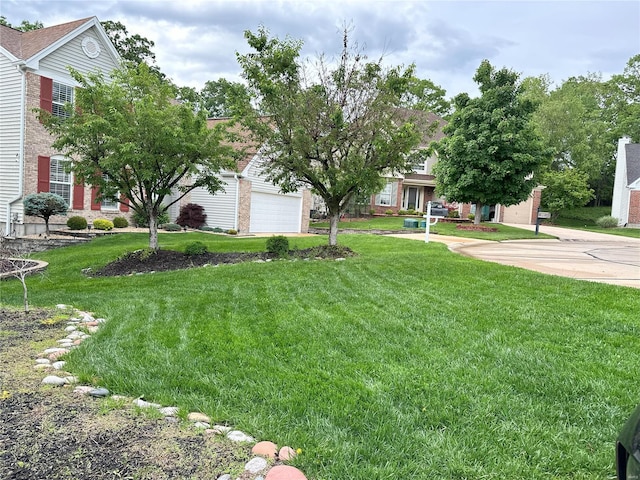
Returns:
<point x="218" y="97"/>
<point x="564" y="189"/>
<point x="129" y="137"/>
<point x="44" y="205"/>
<point x="334" y="131"/>
<point x="132" y="48"/>
<point x="425" y="95"/>
<point x="623" y="103"/>
<point x="572" y="122"/>
<point x="491" y="153"/>
<point x="25" y="25"/>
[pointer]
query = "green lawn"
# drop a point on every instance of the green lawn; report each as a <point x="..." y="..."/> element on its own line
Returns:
<point x="584" y="218"/>
<point x="408" y="361"/>
<point x="442" y="228"/>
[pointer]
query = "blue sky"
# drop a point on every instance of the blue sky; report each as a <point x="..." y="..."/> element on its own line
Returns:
<point x="196" y="40"/>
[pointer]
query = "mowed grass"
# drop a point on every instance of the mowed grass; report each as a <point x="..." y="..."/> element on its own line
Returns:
<point x="408" y="361"/>
<point x="584" y="218"/>
<point x="389" y="223"/>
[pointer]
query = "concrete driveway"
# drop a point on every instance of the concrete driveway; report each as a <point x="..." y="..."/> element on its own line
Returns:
<point x="576" y="254"/>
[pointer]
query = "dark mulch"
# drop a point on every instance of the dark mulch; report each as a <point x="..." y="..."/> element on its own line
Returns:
<point x="144" y="261"/>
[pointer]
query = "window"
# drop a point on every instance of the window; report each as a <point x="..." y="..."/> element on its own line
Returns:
<point x="62" y="94"/>
<point x="59" y="179"/>
<point x="108" y="203"/>
<point x="389" y="195"/>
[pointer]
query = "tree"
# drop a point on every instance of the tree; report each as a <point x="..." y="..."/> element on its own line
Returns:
<point x="25" y="25"/>
<point x="218" y="97"/>
<point x="132" y="48"/>
<point x="425" y="95"/>
<point x="571" y="121"/>
<point x="336" y="133"/>
<point x="623" y="103"/>
<point x="491" y="153"/>
<point x="566" y="188"/>
<point x="45" y="205"/>
<point x="129" y="138"/>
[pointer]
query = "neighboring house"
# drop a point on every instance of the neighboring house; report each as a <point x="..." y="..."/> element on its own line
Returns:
<point x="34" y="74"/>
<point x="626" y="189"/>
<point x="249" y="203"/>
<point x="414" y="190"/>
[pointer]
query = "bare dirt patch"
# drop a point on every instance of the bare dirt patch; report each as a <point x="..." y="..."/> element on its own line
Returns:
<point x="54" y="434"/>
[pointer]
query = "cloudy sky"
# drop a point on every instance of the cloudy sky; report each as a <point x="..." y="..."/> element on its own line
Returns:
<point x="196" y="40"/>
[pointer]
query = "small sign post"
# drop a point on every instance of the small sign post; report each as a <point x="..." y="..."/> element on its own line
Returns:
<point x="541" y="216"/>
<point x="428" y="217"/>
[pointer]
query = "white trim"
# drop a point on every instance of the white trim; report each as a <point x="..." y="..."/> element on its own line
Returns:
<point x="9" y="55"/>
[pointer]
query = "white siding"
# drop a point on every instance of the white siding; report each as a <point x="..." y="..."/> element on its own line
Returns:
<point x="253" y="172"/>
<point x="72" y="54"/>
<point x="220" y="208"/>
<point x="10" y="91"/>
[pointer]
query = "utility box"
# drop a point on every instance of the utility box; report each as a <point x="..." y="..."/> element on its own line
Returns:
<point x="410" y="223"/>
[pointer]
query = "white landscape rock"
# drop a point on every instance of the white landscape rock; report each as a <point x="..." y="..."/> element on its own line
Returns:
<point x="54" y="380"/>
<point x="255" y="465"/>
<point x="238" y="436"/>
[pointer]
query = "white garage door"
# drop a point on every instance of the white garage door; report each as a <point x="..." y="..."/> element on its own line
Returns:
<point x="274" y="213"/>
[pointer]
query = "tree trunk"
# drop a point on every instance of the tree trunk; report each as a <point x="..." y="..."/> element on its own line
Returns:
<point x="478" y="218"/>
<point x="153" y="231"/>
<point x="333" y="228"/>
<point x="46" y="227"/>
<point x="25" y="293"/>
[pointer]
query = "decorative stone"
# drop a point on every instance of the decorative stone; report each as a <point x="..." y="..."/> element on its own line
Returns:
<point x="286" y="453"/>
<point x="340" y="259"/>
<point x="43" y="361"/>
<point x="203" y="425"/>
<point x="255" y="465"/>
<point x="266" y="449"/>
<point x="71" y="379"/>
<point x="55" y="355"/>
<point x="285" y="472"/>
<point x="169" y="411"/>
<point x="92" y="329"/>
<point x="55" y="381"/>
<point x="70" y="328"/>
<point x="77" y="342"/>
<point x="226" y="476"/>
<point x="221" y="429"/>
<point x="198" y="417"/>
<point x="99" y="392"/>
<point x="43" y="366"/>
<point x="144" y="404"/>
<point x="83" y="389"/>
<point x="49" y="351"/>
<point x="238" y="436"/>
<point x="58" y="365"/>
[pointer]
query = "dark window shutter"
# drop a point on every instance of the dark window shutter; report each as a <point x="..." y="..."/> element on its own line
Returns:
<point x="124" y="205"/>
<point x="44" y="173"/>
<point x="94" y="195"/>
<point x="46" y="94"/>
<point x="78" y="197"/>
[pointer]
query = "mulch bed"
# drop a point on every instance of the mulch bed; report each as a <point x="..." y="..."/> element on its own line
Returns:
<point x="145" y="261"/>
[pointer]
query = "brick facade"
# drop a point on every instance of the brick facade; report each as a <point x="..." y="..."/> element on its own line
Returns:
<point x="634" y="207"/>
<point x="37" y="142"/>
<point x="244" y="206"/>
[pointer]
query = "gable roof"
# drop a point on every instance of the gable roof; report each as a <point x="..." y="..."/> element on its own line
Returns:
<point x="32" y="45"/>
<point x="632" y="155"/>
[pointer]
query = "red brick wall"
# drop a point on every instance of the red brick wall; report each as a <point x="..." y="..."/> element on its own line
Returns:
<point x="634" y="207"/>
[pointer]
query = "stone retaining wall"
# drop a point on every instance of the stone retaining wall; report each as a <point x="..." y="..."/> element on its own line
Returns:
<point x="26" y="245"/>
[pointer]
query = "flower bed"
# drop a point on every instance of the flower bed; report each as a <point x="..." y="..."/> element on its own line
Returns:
<point x="476" y="228"/>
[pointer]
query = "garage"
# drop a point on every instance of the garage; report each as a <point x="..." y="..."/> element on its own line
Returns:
<point x="275" y="213"/>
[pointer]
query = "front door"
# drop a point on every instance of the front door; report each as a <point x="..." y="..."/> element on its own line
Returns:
<point x="411" y="198"/>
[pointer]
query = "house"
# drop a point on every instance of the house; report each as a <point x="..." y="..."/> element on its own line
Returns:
<point x="34" y="74"/>
<point x="626" y="188"/>
<point x="250" y="203"/>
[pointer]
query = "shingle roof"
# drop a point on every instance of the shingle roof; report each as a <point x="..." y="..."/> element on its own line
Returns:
<point x="632" y="153"/>
<point x="24" y="45"/>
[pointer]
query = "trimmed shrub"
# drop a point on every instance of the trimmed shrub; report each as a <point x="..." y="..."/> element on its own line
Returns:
<point x="453" y="214"/>
<point x="207" y="229"/>
<point x="388" y="212"/>
<point x="232" y="232"/>
<point x="471" y="216"/>
<point x="171" y="227"/>
<point x="607" y="222"/>
<point x="192" y="215"/>
<point x="102" y="224"/>
<point x="77" y="223"/>
<point x="142" y="219"/>
<point x="279" y="245"/>
<point x="196" y="248"/>
<point x="120" y="222"/>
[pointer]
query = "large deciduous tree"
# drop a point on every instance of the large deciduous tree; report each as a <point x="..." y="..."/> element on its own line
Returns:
<point x="131" y="139"/>
<point x="335" y="129"/>
<point x="491" y="153"/>
<point x="219" y="97"/>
